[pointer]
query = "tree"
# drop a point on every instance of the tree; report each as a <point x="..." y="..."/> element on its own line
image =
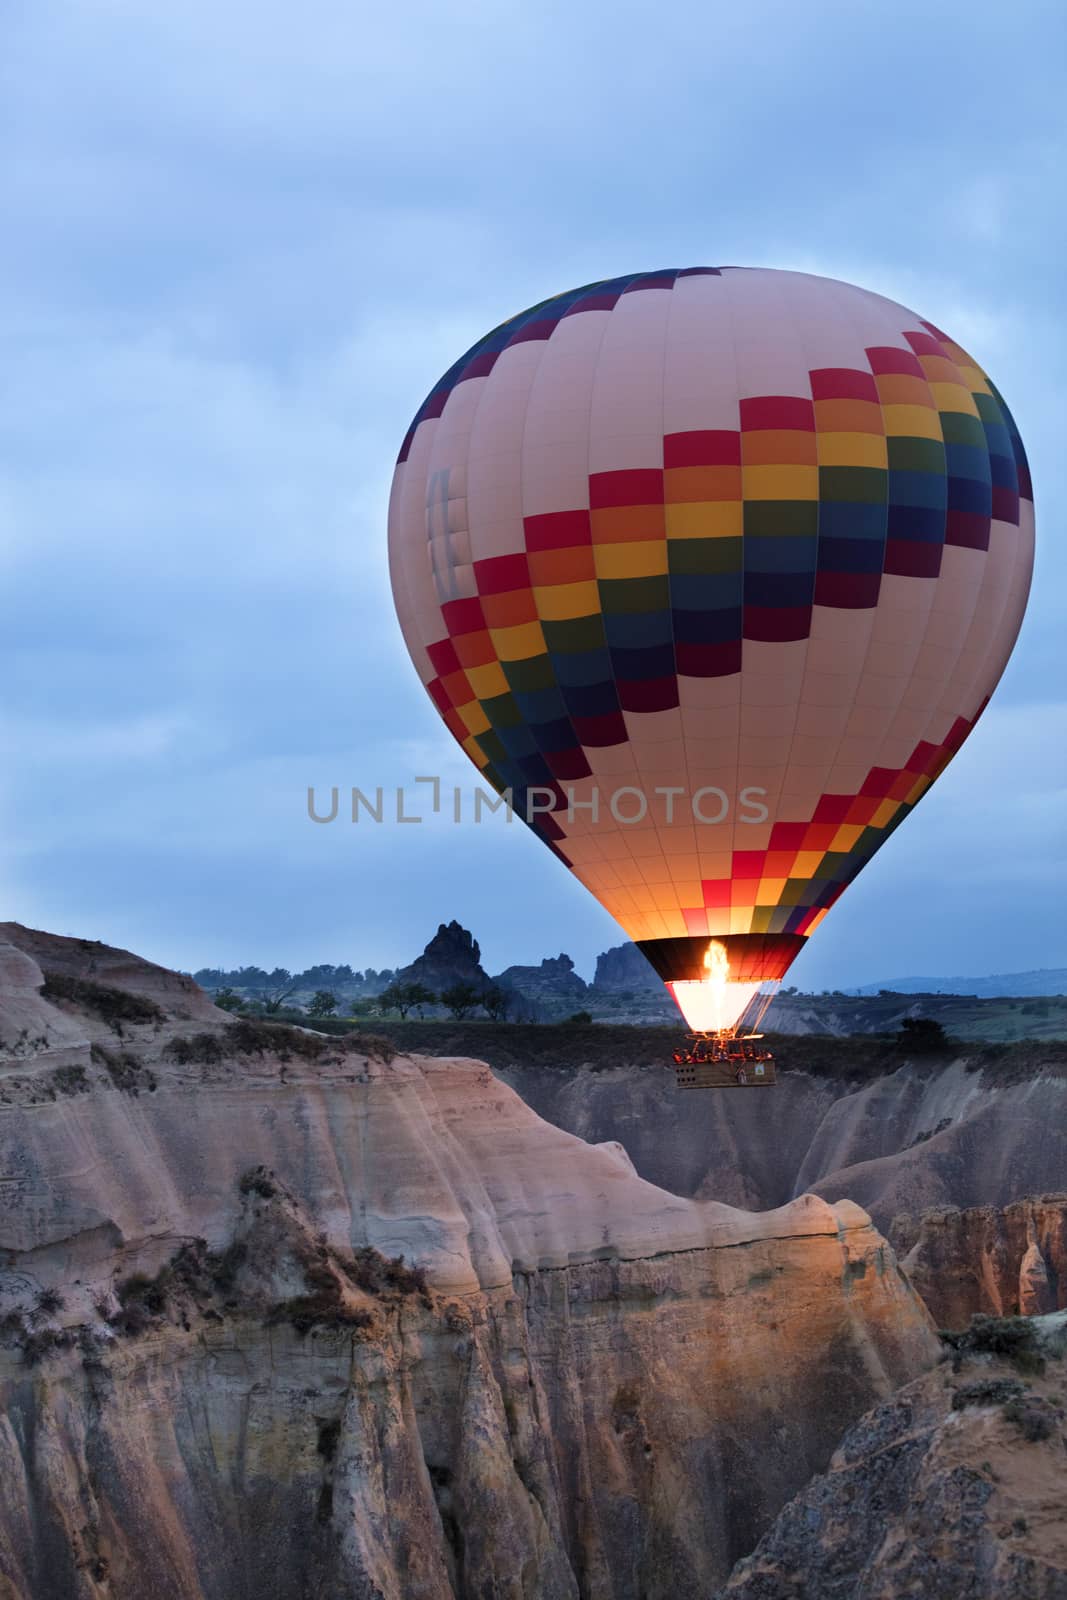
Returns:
<point x="366" y="1007"/>
<point x="923" y="1035"/>
<point x="323" y="1003"/>
<point x="461" y="999"/>
<point x="405" y="997"/>
<point x="496" y="1002"/>
<point x="229" y="1000"/>
<point x="580" y="1019"/>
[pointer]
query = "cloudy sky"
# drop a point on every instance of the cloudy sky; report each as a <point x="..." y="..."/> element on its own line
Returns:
<point x="242" y="241"/>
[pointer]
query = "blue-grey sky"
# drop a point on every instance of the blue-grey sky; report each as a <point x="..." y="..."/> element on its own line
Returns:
<point x="240" y="244"/>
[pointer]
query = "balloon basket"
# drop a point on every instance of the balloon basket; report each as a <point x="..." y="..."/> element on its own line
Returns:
<point x="723" y="1061"/>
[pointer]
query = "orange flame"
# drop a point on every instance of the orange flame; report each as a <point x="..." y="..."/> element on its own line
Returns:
<point x="713" y="1004"/>
<point x="717" y="962"/>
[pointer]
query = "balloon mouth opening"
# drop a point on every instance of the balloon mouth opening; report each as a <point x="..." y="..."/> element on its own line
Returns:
<point x="719" y="1003"/>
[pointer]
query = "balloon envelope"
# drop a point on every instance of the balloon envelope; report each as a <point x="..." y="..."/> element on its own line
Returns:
<point x="714" y="570"/>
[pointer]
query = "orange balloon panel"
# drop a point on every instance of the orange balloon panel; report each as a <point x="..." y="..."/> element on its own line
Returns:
<point x="713" y="570"/>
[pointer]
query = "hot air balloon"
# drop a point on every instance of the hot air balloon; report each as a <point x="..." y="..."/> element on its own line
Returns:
<point x="713" y="570"/>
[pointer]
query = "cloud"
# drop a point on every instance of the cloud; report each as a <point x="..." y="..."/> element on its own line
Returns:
<point x="241" y="244"/>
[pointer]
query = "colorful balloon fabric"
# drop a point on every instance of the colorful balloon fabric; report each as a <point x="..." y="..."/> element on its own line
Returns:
<point x="714" y="570"/>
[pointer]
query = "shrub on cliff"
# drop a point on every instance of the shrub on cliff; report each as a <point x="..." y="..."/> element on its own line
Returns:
<point x="1034" y="1417"/>
<point x="113" y="1005"/>
<point x="380" y="1274"/>
<point x="373" y="1045"/>
<point x="306" y="1311"/>
<point x="1011" y="1338"/>
<point x="43" y="1342"/>
<point x="228" y="999"/>
<point x="126" y="1071"/>
<point x="71" y="1080"/>
<point x="258" y="1181"/>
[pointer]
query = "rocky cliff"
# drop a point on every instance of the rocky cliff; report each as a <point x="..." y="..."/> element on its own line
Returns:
<point x="623" y="968"/>
<point x="545" y="992"/>
<point x="952" y="1490"/>
<point x="284" y="1317"/>
<point x="1000" y="1261"/>
<point x="898" y="1135"/>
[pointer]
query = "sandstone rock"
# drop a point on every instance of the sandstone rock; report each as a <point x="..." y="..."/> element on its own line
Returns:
<point x="952" y="1489"/>
<point x="919" y="1135"/>
<point x="585" y="1385"/>
<point x="91" y="961"/>
<point x="997" y="1260"/>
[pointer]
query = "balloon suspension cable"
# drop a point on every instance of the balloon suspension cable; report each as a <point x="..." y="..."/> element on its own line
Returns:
<point x="755" y="1012"/>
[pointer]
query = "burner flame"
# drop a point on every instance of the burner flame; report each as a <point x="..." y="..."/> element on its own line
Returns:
<point x="714" y="1004"/>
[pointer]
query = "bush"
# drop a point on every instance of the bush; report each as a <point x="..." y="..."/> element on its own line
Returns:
<point x="196" y="1049"/>
<point x="142" y="1300"/>
<point x="114" y="1005"/>
<point x="44" y="1343"/>
<point x="125" y="1070"/>
<point x="923" y="1035"/>
<point x="1011" y="1338"/>
<point x="580" y="1019"/>
<point x="71" y="1080"/>
<point x="315" y="1311"/>
<point x="986" y="1392"/>
<point x="246" y="1036"/>
<point x="228" y="1000"/>
<point x="139" y="1289"/>
<point x="379" y="1274"/>
<point x="131" y="1320"/>
<point x="49" y="1301"/>
<point x="307" y="1311"/>
<point x="1032" y="1416"/>
<point x="12" y="1326"/>
<point x="929" y="1133"/>
<point x="323" y="1003"/>
<point x="258" y="1181"/>
<point x="249" y="1037"/>
<point x="373" y="1045"/>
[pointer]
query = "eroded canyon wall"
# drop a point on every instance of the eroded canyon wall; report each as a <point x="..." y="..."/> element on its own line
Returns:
<point x="219" y="1379"/>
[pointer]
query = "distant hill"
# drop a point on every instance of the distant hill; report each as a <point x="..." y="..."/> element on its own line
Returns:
<point x="1016" y="985"/>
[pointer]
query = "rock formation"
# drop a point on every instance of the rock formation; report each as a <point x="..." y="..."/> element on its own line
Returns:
<point x="624" y="968"/>
<point x="452" y="956"/>
<point x="283" y="1317"/>
<point x="551" y="990"/>
<point x="897" y="1139"/>
<point x="952" y="1490"/>
<point x="1003" y="1261"/>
